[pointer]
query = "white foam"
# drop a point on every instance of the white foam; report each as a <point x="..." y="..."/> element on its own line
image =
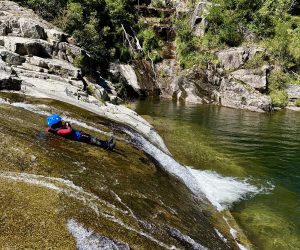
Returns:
<point x="88" y="240"/>
<point x="219" y="190"/>
<point x="223" y="191"/>
<point x="222" y="237"/>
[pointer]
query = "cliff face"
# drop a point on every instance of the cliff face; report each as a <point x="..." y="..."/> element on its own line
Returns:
<point x="233" y="79"/>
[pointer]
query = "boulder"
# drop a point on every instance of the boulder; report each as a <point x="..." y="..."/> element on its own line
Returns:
<point x="293" y="91"/>
<point x="27" y="46"/>
<point x="198" y="20"/>
<point x="242" y="96"/>
<point x="54" y="66"/>
<point x="31" y="29"/>
<point x="9" y="82"/>
<point x="194" y="86"/>
<point x="255" y="78"/>
<point x="67" y="52"/>
<point x="54" y="35"/>
<point x="234" y="58"/>
<point x="3" y="28"/>
<point x="127" y="71"/>
<point x="11" y="58"/>
<point x="100" y="93"/>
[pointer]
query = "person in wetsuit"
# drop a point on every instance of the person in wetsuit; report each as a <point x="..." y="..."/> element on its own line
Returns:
<point x="57" y="127"/>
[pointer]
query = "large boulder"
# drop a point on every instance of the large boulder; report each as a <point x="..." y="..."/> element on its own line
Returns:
<point x="198" y="20"/>
<point x="234" y="58"/>
<point x="54" y="35"/>
<point x="67" y="52"/>
<point x="11" y="58"/>
<point x="293" y="92"/>
<point x="9" y="82"/>
<point x="136" y="80"/>
<point x="54" y="66"/>
<point x="196" y="86"/>
<point x="242" y="96"/>
<point x="31" y="29"/>
<point x="27" y="46"/>
<point x="255" y="78"/>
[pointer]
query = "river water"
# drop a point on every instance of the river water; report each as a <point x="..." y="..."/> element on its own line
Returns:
<point x="259" y="149"/>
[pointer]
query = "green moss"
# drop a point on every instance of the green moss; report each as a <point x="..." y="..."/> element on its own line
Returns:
<point x="90" y="89"/>
<point x="279" y="98"/>
<point x="297" y="102"/>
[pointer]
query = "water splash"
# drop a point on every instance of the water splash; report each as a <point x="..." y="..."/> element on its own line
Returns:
<point x="88" y="240"/>
<point x="221" y="191"/>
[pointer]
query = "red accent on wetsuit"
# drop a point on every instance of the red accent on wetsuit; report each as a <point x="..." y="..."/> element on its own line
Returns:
<point x="62" y="131"/>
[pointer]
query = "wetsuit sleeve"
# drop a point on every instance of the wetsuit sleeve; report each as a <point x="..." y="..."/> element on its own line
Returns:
<point x="64" y="131"/>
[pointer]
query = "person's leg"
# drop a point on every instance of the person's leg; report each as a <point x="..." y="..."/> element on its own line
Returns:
<point x="93" y="141"/>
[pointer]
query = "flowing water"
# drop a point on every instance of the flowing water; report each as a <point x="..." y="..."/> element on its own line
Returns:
<point x="258" y="153"/>
<point x="61" y="194"/>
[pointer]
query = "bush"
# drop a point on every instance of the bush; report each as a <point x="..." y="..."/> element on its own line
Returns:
<point x="297" y="102"/>
<point x="158" y="3"/>
<point x="149" y="40"/>
<point x="278" y="81"/>
<point x="96" y="24"/>
<point x="279" y="98"/>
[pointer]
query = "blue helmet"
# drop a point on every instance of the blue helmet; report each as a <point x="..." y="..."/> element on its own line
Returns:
<point x="53" y="119"/>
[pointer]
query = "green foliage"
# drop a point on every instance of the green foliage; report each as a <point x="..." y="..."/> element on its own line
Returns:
<point x="257" y="61"/>
<point x="151" y="44"/>
<point x="95" y="24"/>
<point x="78" y="61"/>
<point x="279" y="98"/>
<point x="149" y="40"/>
<point x="90" y="89"/>
<point x="185" y="44"/>
<point x="278" y="81"/>
<point x="297" y="102"/>
<point x="158" y="3"/>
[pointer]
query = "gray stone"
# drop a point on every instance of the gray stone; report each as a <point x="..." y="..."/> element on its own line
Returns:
<point x="31" y="29"/>
<point x="198" y="20"/>
<point x="11" y="58"/>
<point x="293" y="91"/>
<point x="27" y="46"/>
<point x="55" y="66"/>
<point x="255" y="78"/>
<point x="196" y="86"/>
<point x="54" y="35"/>
<point x="100" y="93"/>
<point x="241" y="96"/>
<point x="9" y="82"/>
<point x="234" y="58"/>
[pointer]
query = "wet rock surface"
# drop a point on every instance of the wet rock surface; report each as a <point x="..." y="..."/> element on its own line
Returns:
<point x="92" y="197"/>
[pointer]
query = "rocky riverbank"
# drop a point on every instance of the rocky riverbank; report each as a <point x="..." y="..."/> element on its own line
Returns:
<point x="235" y="78"/>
